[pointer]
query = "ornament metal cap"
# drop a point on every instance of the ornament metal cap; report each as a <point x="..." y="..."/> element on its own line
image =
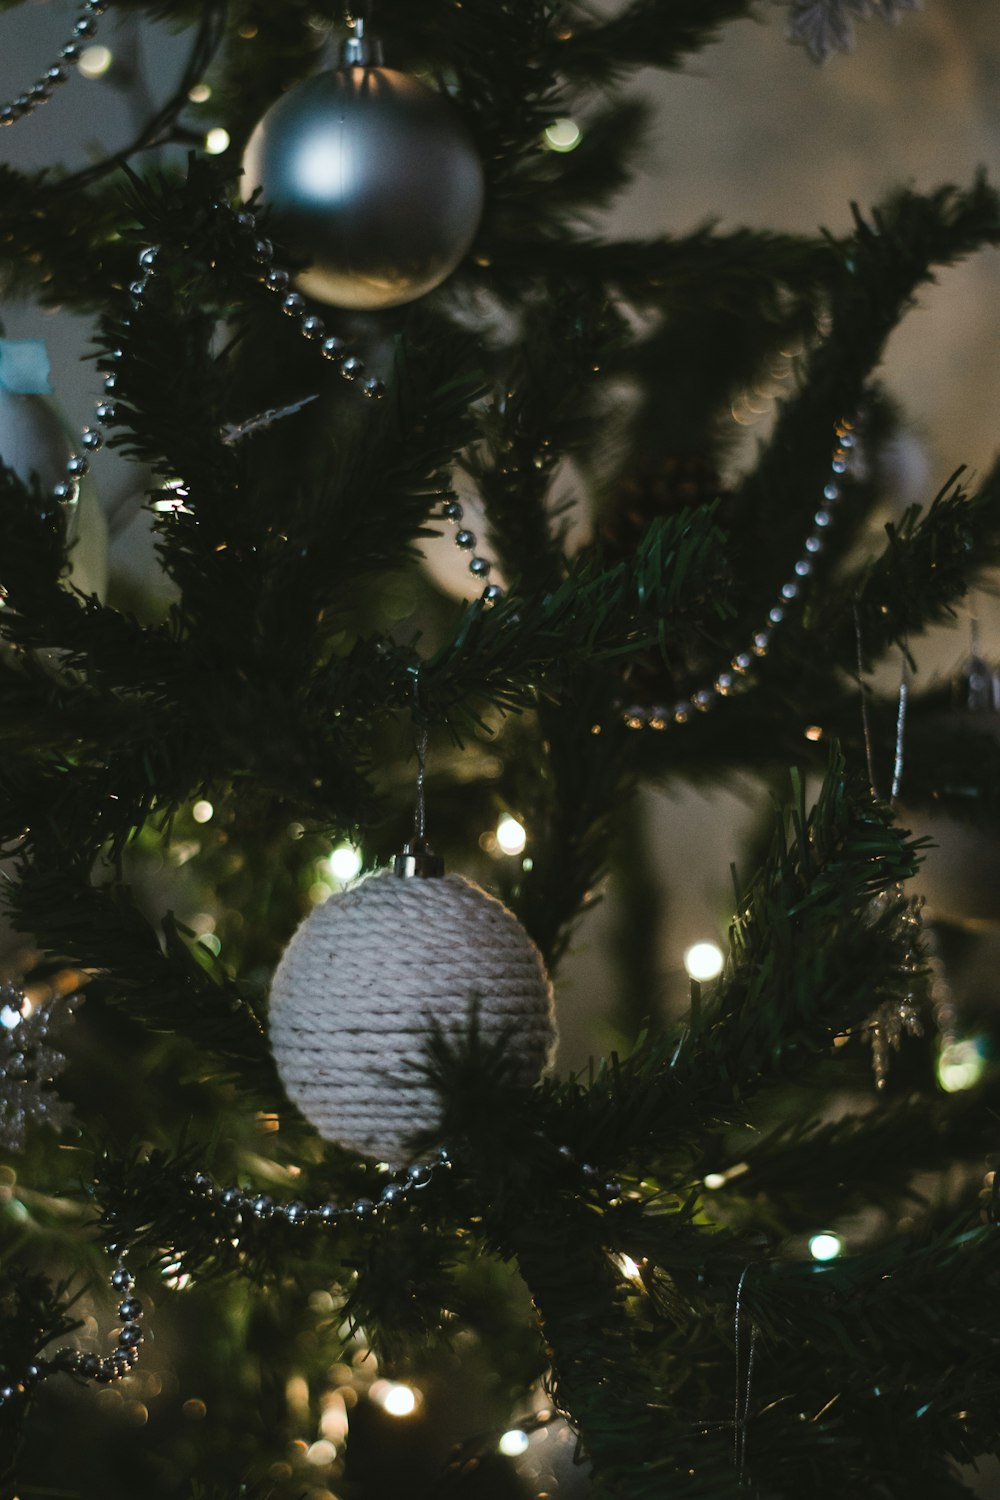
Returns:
<point x="418" y="861"/>
<point x="361" y="51"/>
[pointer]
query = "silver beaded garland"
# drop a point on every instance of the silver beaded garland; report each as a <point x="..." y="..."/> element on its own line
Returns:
<point x="84" y="30"/>
<point x="66" y="492"/>
<point x="114" y="1366"/>
<point x="727" y="682"/>
<point x="480" y="567"/>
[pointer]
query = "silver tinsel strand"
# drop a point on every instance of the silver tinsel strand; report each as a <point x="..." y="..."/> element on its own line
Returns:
<point x="827" y="26"/>
<point x="29" y="1063"/>
<point x="899" y="1017"/>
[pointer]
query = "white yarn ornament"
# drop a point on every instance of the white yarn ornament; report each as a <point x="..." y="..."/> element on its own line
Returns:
<point x="360" y="982"/>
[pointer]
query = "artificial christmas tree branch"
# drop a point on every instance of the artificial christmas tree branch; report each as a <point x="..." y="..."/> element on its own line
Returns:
<point x="176" y="797"/>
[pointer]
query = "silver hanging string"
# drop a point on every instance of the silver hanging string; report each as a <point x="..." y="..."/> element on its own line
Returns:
<point x="904" y="694"/>
<point x="863" y="689"/>
<point x="744" y="1389"/>
<point x="420" y="810"/>
<point x="418" y="858"/>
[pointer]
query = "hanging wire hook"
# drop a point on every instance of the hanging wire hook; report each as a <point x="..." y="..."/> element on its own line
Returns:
<point x="863" y="689"/>
<point x="418" y="858"/>
<point x="741" y="1408"/>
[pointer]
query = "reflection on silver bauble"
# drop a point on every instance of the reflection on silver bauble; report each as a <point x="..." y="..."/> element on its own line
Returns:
<point x="35" y="439"/>
<point x="374" y="177"/>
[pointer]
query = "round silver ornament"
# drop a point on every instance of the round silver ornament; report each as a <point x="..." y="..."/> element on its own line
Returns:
<point x="363" y="978"/>
<point x="372" y="175"/>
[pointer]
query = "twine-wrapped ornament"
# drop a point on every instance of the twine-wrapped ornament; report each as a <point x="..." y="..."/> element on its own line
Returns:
<point x="366" y="975"/>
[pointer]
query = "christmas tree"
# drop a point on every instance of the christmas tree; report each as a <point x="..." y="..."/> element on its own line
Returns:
<point x="297" y="1216"/>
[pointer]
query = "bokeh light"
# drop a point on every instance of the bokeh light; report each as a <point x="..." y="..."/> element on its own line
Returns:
<point x="95" y="61"/>
<point x="345" y="863"/>
<point x="511" y="835"/>
<point x="563" y="135"/>
<point x="961" y="1064"/>
<point x="825" y="1245"/>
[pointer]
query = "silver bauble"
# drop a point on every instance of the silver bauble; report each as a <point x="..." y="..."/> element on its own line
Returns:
<point x="35" y="439"/>
<point x="374" y="177"/>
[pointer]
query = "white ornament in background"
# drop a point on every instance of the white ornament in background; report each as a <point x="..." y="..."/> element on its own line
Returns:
<point x="361" y="983"/>
<point x="36" y="438"/>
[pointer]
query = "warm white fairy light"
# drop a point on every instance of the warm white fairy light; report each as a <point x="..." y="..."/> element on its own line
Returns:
<point x="95" y="61"/>
<point x="513" y="1443"/>
<point x="704" y="960"/>
<point x="200" y="94"/>
<point x="714" y="1181"/>
<point x="398" y="1400"/>
<point x="826" y="1245"/>
<point x="511" y="835"/>
<point x="629" y="1267"/>
<point x="217" y="141"/>
<point x="563" y="135"/>
<point x="203" y="812"/>
<point x="345" y="863"/>
<point x="961" y="1064"/>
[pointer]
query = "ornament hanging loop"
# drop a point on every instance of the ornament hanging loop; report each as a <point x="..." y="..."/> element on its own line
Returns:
<point x="418" y="859"/>
<point x="361" y="49"/>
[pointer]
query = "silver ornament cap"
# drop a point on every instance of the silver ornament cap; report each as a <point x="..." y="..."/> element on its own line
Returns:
<point x="372" y="176"/>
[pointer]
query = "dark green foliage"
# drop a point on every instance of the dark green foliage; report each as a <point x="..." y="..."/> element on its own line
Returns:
<point x="304" y="652"/>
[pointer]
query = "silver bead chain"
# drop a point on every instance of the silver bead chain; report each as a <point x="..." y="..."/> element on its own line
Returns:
<point x="395" y="1192"/>
<point x="262" y="1206"/>
<point x="465" y="540"/>
<point x="743" y="663"/>
<point x="311" y="328"/>
<point x="114" y="1366"/>
<point x="41" y="91"/>
<point x="238" y="1201"/>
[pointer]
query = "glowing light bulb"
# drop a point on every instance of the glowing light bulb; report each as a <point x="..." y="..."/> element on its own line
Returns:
<point x="563" y="135"/>
<point x="203" y="812"/>
<point x="95" y="61"/>
<point x="200" y="94"/>
<point x="400" y="1401"/>
<point x="714" y="1181"/>
<point x="629" y="1266"/>
<point x="513" y="1443"/>
<point x="961" y="1064"/>
<point x="704" y="960"/>
<point x="511" y="835"/>
<point x="825" y="1246"/>
<point x="321" y="1453"/>
<point x="217" y="141"/>
<point x="10" y="1017"/>
<point x="345" y="863"/>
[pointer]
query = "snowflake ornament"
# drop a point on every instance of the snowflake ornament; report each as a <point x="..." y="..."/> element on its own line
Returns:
<point x="827" y="26"/>
<point x="29" y="1063"/>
